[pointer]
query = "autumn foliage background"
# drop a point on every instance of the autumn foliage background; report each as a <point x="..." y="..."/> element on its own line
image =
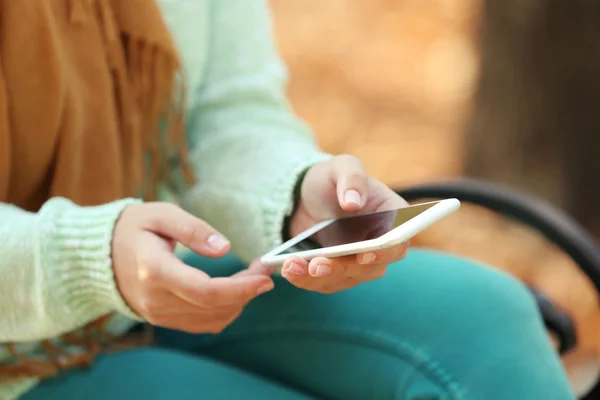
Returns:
<point x="392" y="83"/>
<point x="387" y="81"/>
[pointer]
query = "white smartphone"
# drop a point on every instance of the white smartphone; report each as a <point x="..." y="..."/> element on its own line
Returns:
<point x="362" y="233"/>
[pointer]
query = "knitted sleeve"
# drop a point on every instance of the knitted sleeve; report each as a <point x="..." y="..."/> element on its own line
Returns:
<point x="55" y="268"/>
<point x="248" y="148"/>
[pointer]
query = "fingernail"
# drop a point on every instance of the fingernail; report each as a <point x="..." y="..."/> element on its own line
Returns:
<point x="295" y="269"/>
<point x="319" y="270"/>
<point x="264" y="288"/>
<point x="352" y="197"/>
<point x="217" y="242"/>
<point x="366" y="258"/>
<point x="323" y="270"/>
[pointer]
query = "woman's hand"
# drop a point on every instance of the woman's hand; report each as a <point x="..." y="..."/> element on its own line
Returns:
<point x="161" y="288"/>
<point x="331" y="189"/>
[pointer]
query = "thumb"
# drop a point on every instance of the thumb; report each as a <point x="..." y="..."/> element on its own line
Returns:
<point x="352" y="183"/>
<point x="257" y="268"/>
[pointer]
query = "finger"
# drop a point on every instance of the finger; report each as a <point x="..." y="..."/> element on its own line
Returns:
<point x="257" y="268"/>
<point x="357" y="265"/>
<point x="335" y="270"/>
<point x="352" y="183"/>
<point x="295" y="271"/>
<point x="173" y="222"/>
<point x="386" y="256"/>
<point x="231" y="291"/>
<point x="295" y="266"/>
<point x="321" y="267"/>
<point x="312" y="280"/>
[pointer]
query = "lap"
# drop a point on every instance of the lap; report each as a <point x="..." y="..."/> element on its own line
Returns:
<point x="433" y="324"/>
<point x="155" y="374"/>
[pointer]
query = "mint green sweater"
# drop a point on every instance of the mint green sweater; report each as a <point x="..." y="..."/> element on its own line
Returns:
<point x="247" y="149"/>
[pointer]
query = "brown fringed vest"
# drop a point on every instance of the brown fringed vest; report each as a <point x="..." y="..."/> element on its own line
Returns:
<point x="84" y="87"/>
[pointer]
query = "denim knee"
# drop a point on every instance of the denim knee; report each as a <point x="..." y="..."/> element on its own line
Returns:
<point x="481" y="330"/>
<point x="452" y="291"/>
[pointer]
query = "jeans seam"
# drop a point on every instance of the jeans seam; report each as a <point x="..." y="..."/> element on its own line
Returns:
<point x="417" y="358"/>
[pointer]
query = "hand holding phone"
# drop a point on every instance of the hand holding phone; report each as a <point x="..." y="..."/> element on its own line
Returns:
<point x="362" y="233"/>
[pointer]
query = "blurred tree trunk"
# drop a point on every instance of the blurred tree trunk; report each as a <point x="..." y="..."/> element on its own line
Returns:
<point x="536" y="119"/>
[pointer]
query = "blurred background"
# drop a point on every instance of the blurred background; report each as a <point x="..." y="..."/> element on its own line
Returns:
<point x="501" y="90"/>
<point x="388" y="81"/>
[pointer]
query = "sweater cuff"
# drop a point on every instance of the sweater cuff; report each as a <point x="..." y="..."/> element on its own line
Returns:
<point x="80" y="263"/>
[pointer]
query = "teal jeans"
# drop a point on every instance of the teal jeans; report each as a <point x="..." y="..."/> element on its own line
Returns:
<point x="435" y="327"/>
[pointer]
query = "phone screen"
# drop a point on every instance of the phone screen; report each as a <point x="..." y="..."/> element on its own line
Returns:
<point x="358" y="228"/>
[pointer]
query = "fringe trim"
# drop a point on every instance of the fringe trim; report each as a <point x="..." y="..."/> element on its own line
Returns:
<point x="149" y="90"/>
